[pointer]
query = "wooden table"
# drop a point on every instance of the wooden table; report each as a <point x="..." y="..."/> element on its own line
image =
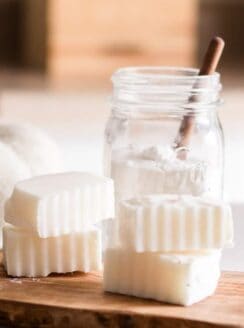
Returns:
<point x="77" y="300"/>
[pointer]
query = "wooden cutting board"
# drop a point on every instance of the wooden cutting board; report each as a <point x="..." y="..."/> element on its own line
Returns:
<point x="77" y="300"/>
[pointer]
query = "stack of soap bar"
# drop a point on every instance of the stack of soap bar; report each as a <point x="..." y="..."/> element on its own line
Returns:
<point x="167" y="247"/>
<point x="50" y="224"/>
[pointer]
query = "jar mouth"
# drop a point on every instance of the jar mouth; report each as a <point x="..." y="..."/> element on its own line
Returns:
<point x="165" y="87"/>
<point x="157" y="74"/>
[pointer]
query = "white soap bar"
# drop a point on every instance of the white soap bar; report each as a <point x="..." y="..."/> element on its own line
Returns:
<point x="58" y="204"/>
<point x="173" y="278"/>
<point x="174" y="223"/>
<point x="26" y="254"/>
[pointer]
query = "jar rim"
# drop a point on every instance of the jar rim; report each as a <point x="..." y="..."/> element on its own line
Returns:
<point x="146" y="74"/>
<point x="164" y="88"/>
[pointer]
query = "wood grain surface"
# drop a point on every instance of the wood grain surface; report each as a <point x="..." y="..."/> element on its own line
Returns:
<point x="77" y="300"/>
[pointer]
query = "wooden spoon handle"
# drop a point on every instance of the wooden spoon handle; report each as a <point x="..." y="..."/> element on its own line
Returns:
<point x="209" y="65"/>
<point x="212" y="56"/>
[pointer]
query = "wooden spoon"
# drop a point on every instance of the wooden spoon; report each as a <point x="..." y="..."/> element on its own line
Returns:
<point x="209" y="65"/>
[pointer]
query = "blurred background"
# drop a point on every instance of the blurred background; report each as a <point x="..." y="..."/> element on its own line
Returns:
<point x="57" y="56"/>
<point x="85" y="41"/>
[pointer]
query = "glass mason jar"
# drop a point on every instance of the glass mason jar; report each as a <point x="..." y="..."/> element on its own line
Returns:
<point x="164" y="134"/>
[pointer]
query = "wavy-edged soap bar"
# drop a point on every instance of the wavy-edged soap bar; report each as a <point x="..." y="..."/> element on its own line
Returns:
<point x="27" y="255"/>
<point x="173" y="278"/>
<point x="58" y="204"/>
<point x="174" y="223"/>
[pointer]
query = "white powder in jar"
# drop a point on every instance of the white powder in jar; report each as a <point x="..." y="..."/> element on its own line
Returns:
<point x="137" y="171"/>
